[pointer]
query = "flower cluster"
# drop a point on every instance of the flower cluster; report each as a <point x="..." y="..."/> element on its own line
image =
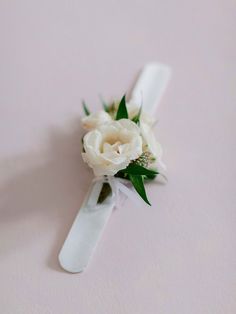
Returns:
<point x="120" y="142"/>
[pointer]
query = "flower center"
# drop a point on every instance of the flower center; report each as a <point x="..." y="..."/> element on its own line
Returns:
<point x="109" y="147"/>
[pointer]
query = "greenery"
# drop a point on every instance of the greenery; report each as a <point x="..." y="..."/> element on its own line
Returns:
<point x="138" y="170"/>
<point x="137" y="181"/>
<point x="86" y="110"/>
<point x="105" y="191"/>
<point x="137" y="117"/>
<point x="122" y="112"/>
<point x="136" y="174"/>
<point x="105" y="105"/>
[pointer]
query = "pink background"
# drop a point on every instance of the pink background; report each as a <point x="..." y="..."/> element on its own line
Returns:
<point x="177" y="256"/>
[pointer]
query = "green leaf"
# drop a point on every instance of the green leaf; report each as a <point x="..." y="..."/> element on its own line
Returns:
<point x="82" y="141"/>
<point x="105" y="192"/>
<point x="122" y="112"/>
<point x="138" y="184"/>
<point x="151" y="176"/>
<point x="139" y="170"/>
<point x="86" y="110"/>
<point x="137" y="117"/>
<point x="104" y="104"/>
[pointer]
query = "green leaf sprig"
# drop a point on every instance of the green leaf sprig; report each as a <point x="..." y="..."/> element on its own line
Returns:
<point x="85" y="107"/>
<point x="137" y="117"/>
<point x="122" y="112"/>
<point x="138" y="184"/>
<point x="105" y="105"/>
<point x="136" y="174"/>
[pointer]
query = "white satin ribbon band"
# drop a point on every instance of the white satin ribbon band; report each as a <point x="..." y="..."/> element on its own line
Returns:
<point x="90" y="222"/>
<point x="86" y="230"/>
<point x="118" y="185"/>
<point x="92" y="217"/>
<point x="151" y="85"/>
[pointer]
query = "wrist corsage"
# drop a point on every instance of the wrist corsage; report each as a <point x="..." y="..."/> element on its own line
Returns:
<point x="121" y="148"/>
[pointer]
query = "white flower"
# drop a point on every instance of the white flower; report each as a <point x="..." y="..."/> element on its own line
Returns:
<point x="94" y="120"/>
<point x="110" y="147"/>
<point x="149" y="139"/>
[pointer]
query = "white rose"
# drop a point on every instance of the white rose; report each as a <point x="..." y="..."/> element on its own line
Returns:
<point x="149" y="139"/>
<point x="112" y="146"/>
<point x="94" y="120"/>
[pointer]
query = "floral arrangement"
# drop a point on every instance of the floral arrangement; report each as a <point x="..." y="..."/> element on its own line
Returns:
<point x="120" y="142"/>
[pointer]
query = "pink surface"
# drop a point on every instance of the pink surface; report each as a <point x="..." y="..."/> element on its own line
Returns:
<point x="177" y="256"/>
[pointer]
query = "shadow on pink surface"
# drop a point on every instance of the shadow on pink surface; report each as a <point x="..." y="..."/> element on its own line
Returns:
<point x="40" y="194"/>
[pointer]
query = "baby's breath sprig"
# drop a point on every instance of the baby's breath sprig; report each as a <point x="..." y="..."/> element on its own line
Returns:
<point x="145" y="160"/>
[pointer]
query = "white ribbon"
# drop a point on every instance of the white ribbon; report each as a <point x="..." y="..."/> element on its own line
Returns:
<point x="118" y="185"/>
